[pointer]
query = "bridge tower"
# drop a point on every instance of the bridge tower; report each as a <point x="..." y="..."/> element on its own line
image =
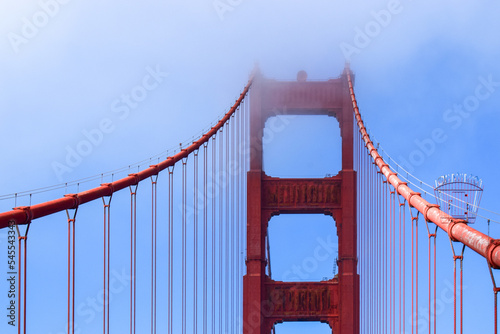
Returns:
<point x="336" y="301"/>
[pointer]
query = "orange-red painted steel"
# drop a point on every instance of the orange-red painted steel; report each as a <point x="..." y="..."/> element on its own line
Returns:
<point x="24" y="215"/>
<point x="458" y="230"/>
<point x="334" y="301"/>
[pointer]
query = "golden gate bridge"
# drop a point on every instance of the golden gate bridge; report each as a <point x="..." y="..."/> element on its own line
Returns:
<point x="198" y="260"/>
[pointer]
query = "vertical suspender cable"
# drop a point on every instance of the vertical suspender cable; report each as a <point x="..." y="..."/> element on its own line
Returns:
<point x="232" y="172"/>
<point x="373" y="232"/>
<point x="380" y="245"/>
<point x="238" y="214"/>
<point x="214" y="184"/>
<point x="370" y="220"/>
<point x="435" y="289"/>
<point x="24" y="281"/>
<point x="104" y="276"/>
<point x="429" y="276"/>
<point x="133" y="256"/>
<point x="416" y="274"/>
<point x="22" y="272"/>
<point x="400" y="285"/>
<point x="227" y="234"/>
<point x="358" y="227"/>
<point x="372" y="250"/>
<point x="386" y="257"/>
<point x="434" y="282"/>
<point x="403" y="239"/>
<point x="495" y="298"/>
<point x="221" y="231"/>
<point x="382" y="251"/>
<point x="362" y="227"/>
<point x="205" y="236"/>
<point x="376" y="212"/>
<point x="154" y="202"/>
<point x="71" y="269"/>
<point x="412" y="272"/>
<point x="376" y="306"/>
<point x="242" y="206"/>
<point x="73" y="276"/>
<point x="431" y="272"/>
<point x="246" y="166"/>
<point x="184" y="236"/>
<point x="461" y="290"/>
<point x="402" y="264"/>
<point x="393" y="222"/>
<point x="367" y="253"/>
<point x="376" y="242"/>
<point x="391" y="254"/>
<point x="237" y="160"/>
<point x="392" y="209"/>
<point x="170" y="310"/>
<point x="415" y="310"/>
<point x="384" y="247"/>
<point x="455" y="258"/>
<point x="243" y="160"/>
<point x="361" y="233"/>
<point x="379" y="252"/>
<point x="106" y="266"/>
<point x="108" y="251"/>
<point x="365" y="245"/>
<point x="454" y="294"/>
<point x="195" y="242"/>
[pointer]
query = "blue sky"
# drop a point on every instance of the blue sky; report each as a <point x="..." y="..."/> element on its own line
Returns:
<point x="67" y="65"/>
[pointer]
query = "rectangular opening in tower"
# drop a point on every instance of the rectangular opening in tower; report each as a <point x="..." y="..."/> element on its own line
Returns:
<point x="301" y="327"/>
<point x="302" y="248"/>
<point x="302" y="146"/>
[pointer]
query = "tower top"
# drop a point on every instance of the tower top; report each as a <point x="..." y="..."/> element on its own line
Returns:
<point x="302" y="76"/>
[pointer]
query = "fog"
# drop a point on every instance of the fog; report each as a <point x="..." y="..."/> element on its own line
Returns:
<point x="67" y="67"/>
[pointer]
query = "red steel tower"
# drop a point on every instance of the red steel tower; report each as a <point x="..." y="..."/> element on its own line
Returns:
<point x="336" y="301"/>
